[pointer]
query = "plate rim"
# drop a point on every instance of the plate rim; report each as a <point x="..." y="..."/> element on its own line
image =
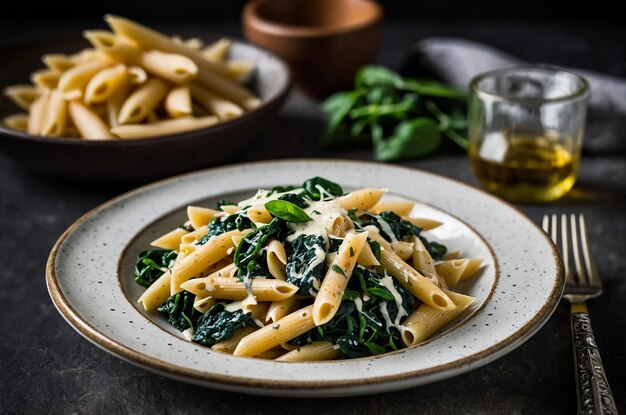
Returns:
<point x="156" y="365"/>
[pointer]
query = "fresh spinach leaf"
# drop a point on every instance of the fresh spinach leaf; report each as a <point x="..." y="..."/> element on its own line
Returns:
<point x="287" y="211"/>
<point x="411" y="138"/>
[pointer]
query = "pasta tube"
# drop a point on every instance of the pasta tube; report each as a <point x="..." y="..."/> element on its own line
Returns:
<point x="270" y="336"/>
<point x="226" y="288"/>
<point x="316" y="351"/>
<point x="414" y="282"/>
<point x="334" y="283"/>
<point x="426" y="320"/>
<point x="165" y="127"/>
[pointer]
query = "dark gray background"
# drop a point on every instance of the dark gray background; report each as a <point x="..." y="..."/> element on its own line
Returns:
<point x="45" y="367"/>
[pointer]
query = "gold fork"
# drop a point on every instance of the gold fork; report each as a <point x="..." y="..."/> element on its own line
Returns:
<point x="582" y="282"/>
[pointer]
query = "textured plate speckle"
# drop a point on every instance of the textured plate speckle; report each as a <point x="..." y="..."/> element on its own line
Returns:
<point x="89" y="277"/>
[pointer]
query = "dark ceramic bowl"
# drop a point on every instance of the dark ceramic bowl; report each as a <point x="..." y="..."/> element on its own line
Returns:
<point x="138" y="159"/>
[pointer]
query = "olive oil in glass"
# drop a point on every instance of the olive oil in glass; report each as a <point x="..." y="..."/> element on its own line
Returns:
<point x="528" y="168"/>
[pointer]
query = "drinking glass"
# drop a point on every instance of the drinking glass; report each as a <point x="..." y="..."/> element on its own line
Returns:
<point x="526" y="128"/>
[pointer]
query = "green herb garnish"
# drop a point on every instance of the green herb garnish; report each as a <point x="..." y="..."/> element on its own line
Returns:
<point x="287" y="211"/>
<point x="402" y="117"/>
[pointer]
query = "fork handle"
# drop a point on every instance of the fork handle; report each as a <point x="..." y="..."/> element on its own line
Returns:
<point x="594" y="393"/>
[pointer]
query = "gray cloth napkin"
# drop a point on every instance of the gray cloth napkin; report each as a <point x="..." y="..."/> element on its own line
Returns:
<point x="456" y="61"/>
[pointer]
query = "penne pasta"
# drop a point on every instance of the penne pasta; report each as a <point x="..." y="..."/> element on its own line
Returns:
<point x="425" y="224"/>
<point x="157" y="293"/>
<point x="273" y="335"/>
<point x="225" y="288"/>
<point x="54" y="119"/>
<point x="200" y="259"/>
<point x="399" y="207"/>
<point x="426" y="320"/>
<point x="105" y="83"/>
<point x="200" y="216"/>
<point x="141" y="102"/>
<point x="73" y="82"/>
<point x="58" y="62"/>
<point x="217" y="51"/>
<point x="45" y="78"/>
<point x="17" y="122"/>
<point x="22" y="95"/>
<point x="214" y="104"/>
<point x="88" y="123"/>
<point x="276" y="259"/>
<point x="452" y="270"/>
<point x="403" y="249"/>
<point x="203" y="304"/>
<point x="178" y="102"/>
<point x="414" y="282"/>
<point x="316" y="351"/>
<point x="259" y="214"/>
<point x="166" y="127"/>
<point x="279" y="309"/>
<point x="38" y="113"/>
<point x="361" y="199"/>
<point x="334" y="284"/>
<point x="229" y="345"/>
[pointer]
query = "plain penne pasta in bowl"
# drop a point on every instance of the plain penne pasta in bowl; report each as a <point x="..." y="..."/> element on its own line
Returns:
<point x="133" y="83"/>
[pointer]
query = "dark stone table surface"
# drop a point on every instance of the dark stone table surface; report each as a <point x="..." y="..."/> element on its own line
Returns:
<point x="46" y="367"/>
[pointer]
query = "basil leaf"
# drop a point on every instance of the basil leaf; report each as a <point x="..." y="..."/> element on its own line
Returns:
<point x="287" y="211"/>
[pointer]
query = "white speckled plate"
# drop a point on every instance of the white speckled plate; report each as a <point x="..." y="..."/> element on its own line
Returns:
<point x="90" y="279"/>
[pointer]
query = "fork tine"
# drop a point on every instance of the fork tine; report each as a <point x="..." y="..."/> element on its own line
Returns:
<point x="592" y="271"/>
<point x="569" y="275"/>
<point x="580" y="271"/>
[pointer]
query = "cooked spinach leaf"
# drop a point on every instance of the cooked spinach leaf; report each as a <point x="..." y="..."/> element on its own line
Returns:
<point x="364" y="333"/>
<point x="218" y="324"/>
<point x="220" y="225"/>
<point x="403" y="230"/>
<point x="282" y="189"/>
<point x="304" y="267"/>
<point x="151" y="264"/>
<point x="251" y="244"/>
<point x="180" y="311"/>
<point x="287" y="211"/>
<point x="313" y="185"/>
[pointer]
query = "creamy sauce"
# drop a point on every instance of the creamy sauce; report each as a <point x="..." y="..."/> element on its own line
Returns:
<point x="387" y="229"/>
<point x="188" y="333"/>
<point x="387" y="282"/>
<point x="262" y="197"/>
<point x="324" y="214"/>
<point x="358" y="304"/>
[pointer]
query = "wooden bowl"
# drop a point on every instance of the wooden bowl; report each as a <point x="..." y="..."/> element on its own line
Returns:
<point x="324" y="41"/>
<point x="137" y="159"/>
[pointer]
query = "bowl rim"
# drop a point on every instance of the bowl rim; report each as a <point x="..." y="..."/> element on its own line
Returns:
<point x="265" y="106"/>
<point x="251" y="18"/>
